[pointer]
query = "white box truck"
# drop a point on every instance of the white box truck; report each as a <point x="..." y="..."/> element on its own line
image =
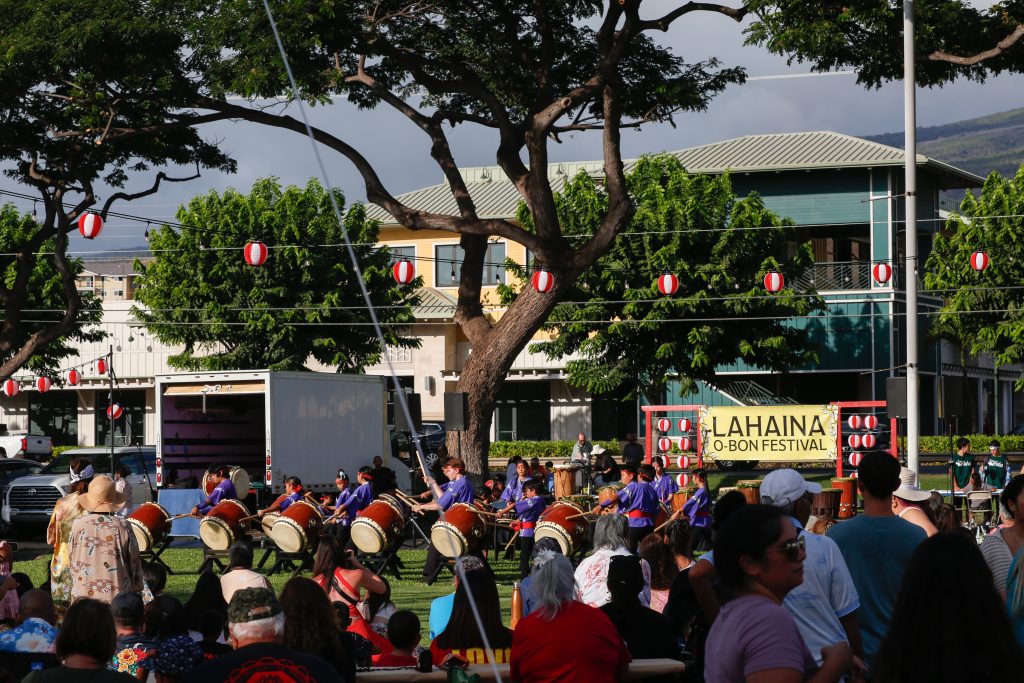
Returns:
<point x="273" y="424"/>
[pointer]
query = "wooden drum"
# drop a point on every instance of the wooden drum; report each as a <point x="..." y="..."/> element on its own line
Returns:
<point x="222" y="525"/>
<point x="848" y="496"/>
<point x="379" y="524"/>
<point x="554" y="523"/>
<point x="459" y="531"/>
<point x="150" y="523"/>
<point x="297" y="527"/>
<point x="826" y="503"/>
<point x="239" y="477"/>
<point x="606" y="493"/>
<point x="565" y="482"/>
<point x="751" y="490"/>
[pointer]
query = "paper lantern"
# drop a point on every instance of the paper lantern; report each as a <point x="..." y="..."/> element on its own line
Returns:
<point x="773" y="281"/>
<point x="101" y="366"/>
<point x="683" y="462"/>
<point x="114" y="411"/>
<point x="882" y="272"/>
<point x="853" y="440"/>
<point x="90" y="224"/>
<point x="255" y="253"/>
<point x="664" y="444"/>
<point x="979" y="261"/>
<point x="871" y="422"/>
<point x="404" y="272"/>
<point x="73" y="377"/>
<point x="855" y="458"/>
<point x="685" y="424"/>
<point x="11" y="388"/>
<point x="43" y="384"/>
<point x="869" y="440"/>
<point x="683" y="480"/>
<point x="854" y="421"/>
<point x="664" y="424"/>
<point x="685" y="443"/>
<point x="668" y="284"/>
<point x="542" y="281"/>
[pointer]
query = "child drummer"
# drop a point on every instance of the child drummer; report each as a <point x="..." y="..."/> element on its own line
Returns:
<point x="528" y="509"/>
<point x="293" y="493"/>
<point x="223" y="489"/>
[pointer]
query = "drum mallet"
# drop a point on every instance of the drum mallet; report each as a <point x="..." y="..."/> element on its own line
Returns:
<point x="171" y="519"/>
<point x="584" y="514"/>
<point x="511" y="541"/>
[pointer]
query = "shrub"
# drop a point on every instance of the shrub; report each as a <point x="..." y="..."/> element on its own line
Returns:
<point x="503" y="450"/>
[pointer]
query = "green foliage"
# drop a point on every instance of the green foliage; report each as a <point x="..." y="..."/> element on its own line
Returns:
<point x="303" y="302"/>
<point x="628" y="335"/>
<point x="503" y="450"/>
<point x="979" y="444"/>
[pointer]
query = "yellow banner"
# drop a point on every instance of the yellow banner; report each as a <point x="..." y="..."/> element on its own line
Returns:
<point x="785" y="433"/>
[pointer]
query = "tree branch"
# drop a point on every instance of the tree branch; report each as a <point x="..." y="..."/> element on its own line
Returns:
<point x="1003" y="45"/>
<point x="663" y="23"/>
<point x="145" y="193"/>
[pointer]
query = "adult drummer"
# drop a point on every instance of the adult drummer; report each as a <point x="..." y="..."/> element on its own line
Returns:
<point x="223" y="489"/>
<point x="293" y="493"/>
<point x="457" y="490"/>
<point x="638" y="501"/>
<point x="664" y="484"/>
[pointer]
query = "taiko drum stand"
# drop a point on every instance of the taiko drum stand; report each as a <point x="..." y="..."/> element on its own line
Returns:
<point x="153" y="555"/>
<point x="388" y="558"/>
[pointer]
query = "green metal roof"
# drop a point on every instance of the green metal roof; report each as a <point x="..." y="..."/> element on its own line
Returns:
<point x="434" y="305"/>
<point x="497" y="197"/>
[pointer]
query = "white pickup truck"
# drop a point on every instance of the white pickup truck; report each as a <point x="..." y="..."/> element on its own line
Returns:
<point x="24" y="445"/>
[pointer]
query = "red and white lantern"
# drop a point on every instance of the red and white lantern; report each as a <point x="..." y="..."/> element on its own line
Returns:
<point x="664" y="424"/>
<point x="101" y="366"/>
<point x="404" y="272"/>
<point x="664" y="444"/>
<point x="685" y="424"/>
<point x="855" y="458"/>
<point x="542" y="281"/>
<point x="685" y="443"/>
<point x="43" y="384"/>
<point x="853" y="440"/>
<point x="854" y="421"/>
<point x="683" y="462"/>
<point x="882" y="272"/>
<point x="773" y="281"/>
<point x="115" y="411"/>
<point x="683" y="479"/>
<point x="255" y="253"/>
<point x="979" y="260"/>
<point x="73" y="378"/>
<point x="871" y="422"/>
<point x="869" y="441"/>
<point x="11" y="388"/>
<point x="668" y="284"/>
<point x="89" y="225"/>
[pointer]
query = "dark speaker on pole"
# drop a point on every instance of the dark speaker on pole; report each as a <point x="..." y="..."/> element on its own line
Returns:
<point x="456" y="411"/>
<point x="414" y="411"/>
<point x="896" y="396"/>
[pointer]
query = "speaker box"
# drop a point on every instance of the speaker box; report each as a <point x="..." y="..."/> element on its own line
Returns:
<point x="456" y="411"/>
<point x="896" y="396"/>
<point x="414" y="411"/>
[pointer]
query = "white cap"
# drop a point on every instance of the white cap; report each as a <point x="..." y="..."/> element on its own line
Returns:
<point x="783" y="487"/>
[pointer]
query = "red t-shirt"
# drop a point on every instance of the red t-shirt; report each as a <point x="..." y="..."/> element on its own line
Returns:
<point x="548" y="651"/>
<point x="473" y="655"/>
<point x="395" y="660"/>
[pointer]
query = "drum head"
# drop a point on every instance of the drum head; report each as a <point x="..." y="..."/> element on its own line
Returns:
<point x="142" y="535"/>
<point x="448" y="540"/>
<point x="268" y="521"/>
<point x="215" y="533"/>
<point x="288" y="535"/>
<point x="549" y="530"/>
<point x="240" y="479"/>
<point x="367" y="535"/>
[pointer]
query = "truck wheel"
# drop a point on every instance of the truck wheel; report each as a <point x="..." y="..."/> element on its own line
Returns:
<point x="3" y="452"/>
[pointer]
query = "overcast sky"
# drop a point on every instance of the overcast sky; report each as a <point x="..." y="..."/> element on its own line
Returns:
<point x="400" y="152"/>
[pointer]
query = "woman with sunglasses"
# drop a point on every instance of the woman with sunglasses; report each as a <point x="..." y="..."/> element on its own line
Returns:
<point x="759" y="557"/>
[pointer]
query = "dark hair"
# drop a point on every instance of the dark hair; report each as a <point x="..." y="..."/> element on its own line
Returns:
<point x="515" y="459"/>
<point x="211" y="624"/>
<point x="330" y="555"/>
<point x="461" y="631"/>
<point x="961" y="442"/>
<point x="534" y="485"/>
<point x="702" y="474"/>
<point x="404" y="629"/>
<point x="223" y="471"/>
<point x="948" y="582"/>
<point x="164" y="617"/>
<point x="206" y="595"/>
<point x="309" y="622"/>
<point x="375" y="602"/>
<point x="24" y="582"/>
<point x="646" y="471"/>
<point x="947" y="518"/>
<point x="124" y="470"/>
<point x="549" y="464"/>
<point x="88" y="629"/>
<point x="725" y="506"/>
<point x="679" y="538"/>
<point x="1011" y="493"/>
<point x="656" y="460"/>
<point x="625" y="579"/>
<point x="661" y="560"/>
<point x="748" y="532"/>
<point x="994" y="443"/>
<point x="155" y="576"/>
<point x="384" y="481"/>
<point x="294" y="481"/>
<point x="240" y="555"/>
<point x="631" y="468"/>
<point x="878" y="474"/>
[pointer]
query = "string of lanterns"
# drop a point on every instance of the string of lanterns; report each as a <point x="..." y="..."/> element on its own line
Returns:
<point x="72" y="377"/>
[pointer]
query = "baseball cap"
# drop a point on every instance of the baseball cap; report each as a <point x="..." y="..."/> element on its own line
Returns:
<point x="252" y="604"/>
<point x="127" y="608"/>
<point x="782" y="487"/>
<point x="177" y="655"/>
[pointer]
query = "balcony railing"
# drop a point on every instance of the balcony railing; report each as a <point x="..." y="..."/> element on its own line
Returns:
<point x="836" y="275"/>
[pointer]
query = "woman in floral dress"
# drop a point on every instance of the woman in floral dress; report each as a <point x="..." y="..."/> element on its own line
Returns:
<point x="65" y="512"/>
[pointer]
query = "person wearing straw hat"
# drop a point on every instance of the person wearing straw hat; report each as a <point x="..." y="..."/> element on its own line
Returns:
<point x="104" y="555"/>
<point x="909" y="502"/>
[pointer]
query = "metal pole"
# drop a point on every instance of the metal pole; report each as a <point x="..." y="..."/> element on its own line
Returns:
<point x="110" y="406"/>
<point x="910" y="204"/>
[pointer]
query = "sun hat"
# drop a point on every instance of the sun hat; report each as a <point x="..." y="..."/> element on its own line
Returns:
<point x="598" y="449"/>
<point x="786" y="486"/>
<point x="102" y="493"/>
<point x="252" y="604"/>
<point x="908" y="489"/>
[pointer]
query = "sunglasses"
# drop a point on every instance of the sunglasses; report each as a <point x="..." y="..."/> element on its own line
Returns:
<point x="793" y="547"/>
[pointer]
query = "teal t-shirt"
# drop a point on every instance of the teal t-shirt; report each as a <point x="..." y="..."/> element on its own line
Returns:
<point x="995" y="471"/>
<point x="963" y="466"/>
<point x="876" y="550"/>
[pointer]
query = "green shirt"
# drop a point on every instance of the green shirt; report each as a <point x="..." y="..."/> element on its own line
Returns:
<point x="963" y="466"/>
<point x="996" y="471"/>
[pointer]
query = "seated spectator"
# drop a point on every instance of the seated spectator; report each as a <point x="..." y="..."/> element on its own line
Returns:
<point x="208" y="594"/>
<point x="462" y="636"/>
<point x="911" y="503"/>
<point x="610" y="539"/>
<point x="681" y="608"/>
<point x="947" y="519"/>
<point x="999" y="548"/>
<point x="441" y="608"/>
<point x="546" y="645"/>
<point x="24" y="583"/>
<point x="163" y="617"/>
<point x="359" y="649"/>
<point x="377" y="609"/>
<point x="36" y="630"/>
<point x="309" y="625"/>
<point x="176" y="657"/>
<point x="342" y="577"/>
<point x="155" y="576"/>
<point x="662" y="561"/>
<point x="240" y="573"/>
<point x="648" y="634"/>
<point x="85" y="643"/>
<point x="135" y="651"/>
<point x="211" y="628"/>
<point x="404" y="635"/>
<point x="256" y="628"/>
<point x="529" y="599"/>
<point x="947" y="583"/>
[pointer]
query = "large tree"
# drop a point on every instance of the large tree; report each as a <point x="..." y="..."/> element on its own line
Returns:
<point x="628" y="336"/>
<point x="302" y="303"/>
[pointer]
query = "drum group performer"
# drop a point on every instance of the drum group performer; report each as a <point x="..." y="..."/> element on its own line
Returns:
<point x="638" y="501"/>
<point x="220" y="475"/>
<point x="528" y="509"/>
<point x="362" y="496"/>
<point x="457" y="490"/>
<point x="663" y="483"/>
<point x="293" y="493"/>
<point x="337" y="523"/>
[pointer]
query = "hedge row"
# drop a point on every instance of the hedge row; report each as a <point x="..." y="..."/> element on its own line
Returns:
<point x="503" y="450"/>
<point x="979" y="443"/>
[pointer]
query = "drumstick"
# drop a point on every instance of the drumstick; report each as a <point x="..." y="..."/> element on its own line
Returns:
<point x="406" y="498"/>
<point x="246" y="519"/>
<point x="585" y="514"/>
<point x="171" y="519"/>
<point x="511" y="541"/>
<point x="485" y="513"/>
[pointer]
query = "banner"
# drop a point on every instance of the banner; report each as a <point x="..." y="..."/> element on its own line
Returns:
<point x="782" y="433"/>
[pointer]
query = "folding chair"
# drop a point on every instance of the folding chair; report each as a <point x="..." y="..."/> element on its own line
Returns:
<point x="978" y="510"/>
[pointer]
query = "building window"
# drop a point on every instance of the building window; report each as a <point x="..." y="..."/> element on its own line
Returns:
<point x="448" y="264"/>
<point x="398" y="354"/>
<point x="399" y="253"/>
<point x="118" y="292"/>
<point x="129" y="430"/>
<point x="54" y="414"/>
